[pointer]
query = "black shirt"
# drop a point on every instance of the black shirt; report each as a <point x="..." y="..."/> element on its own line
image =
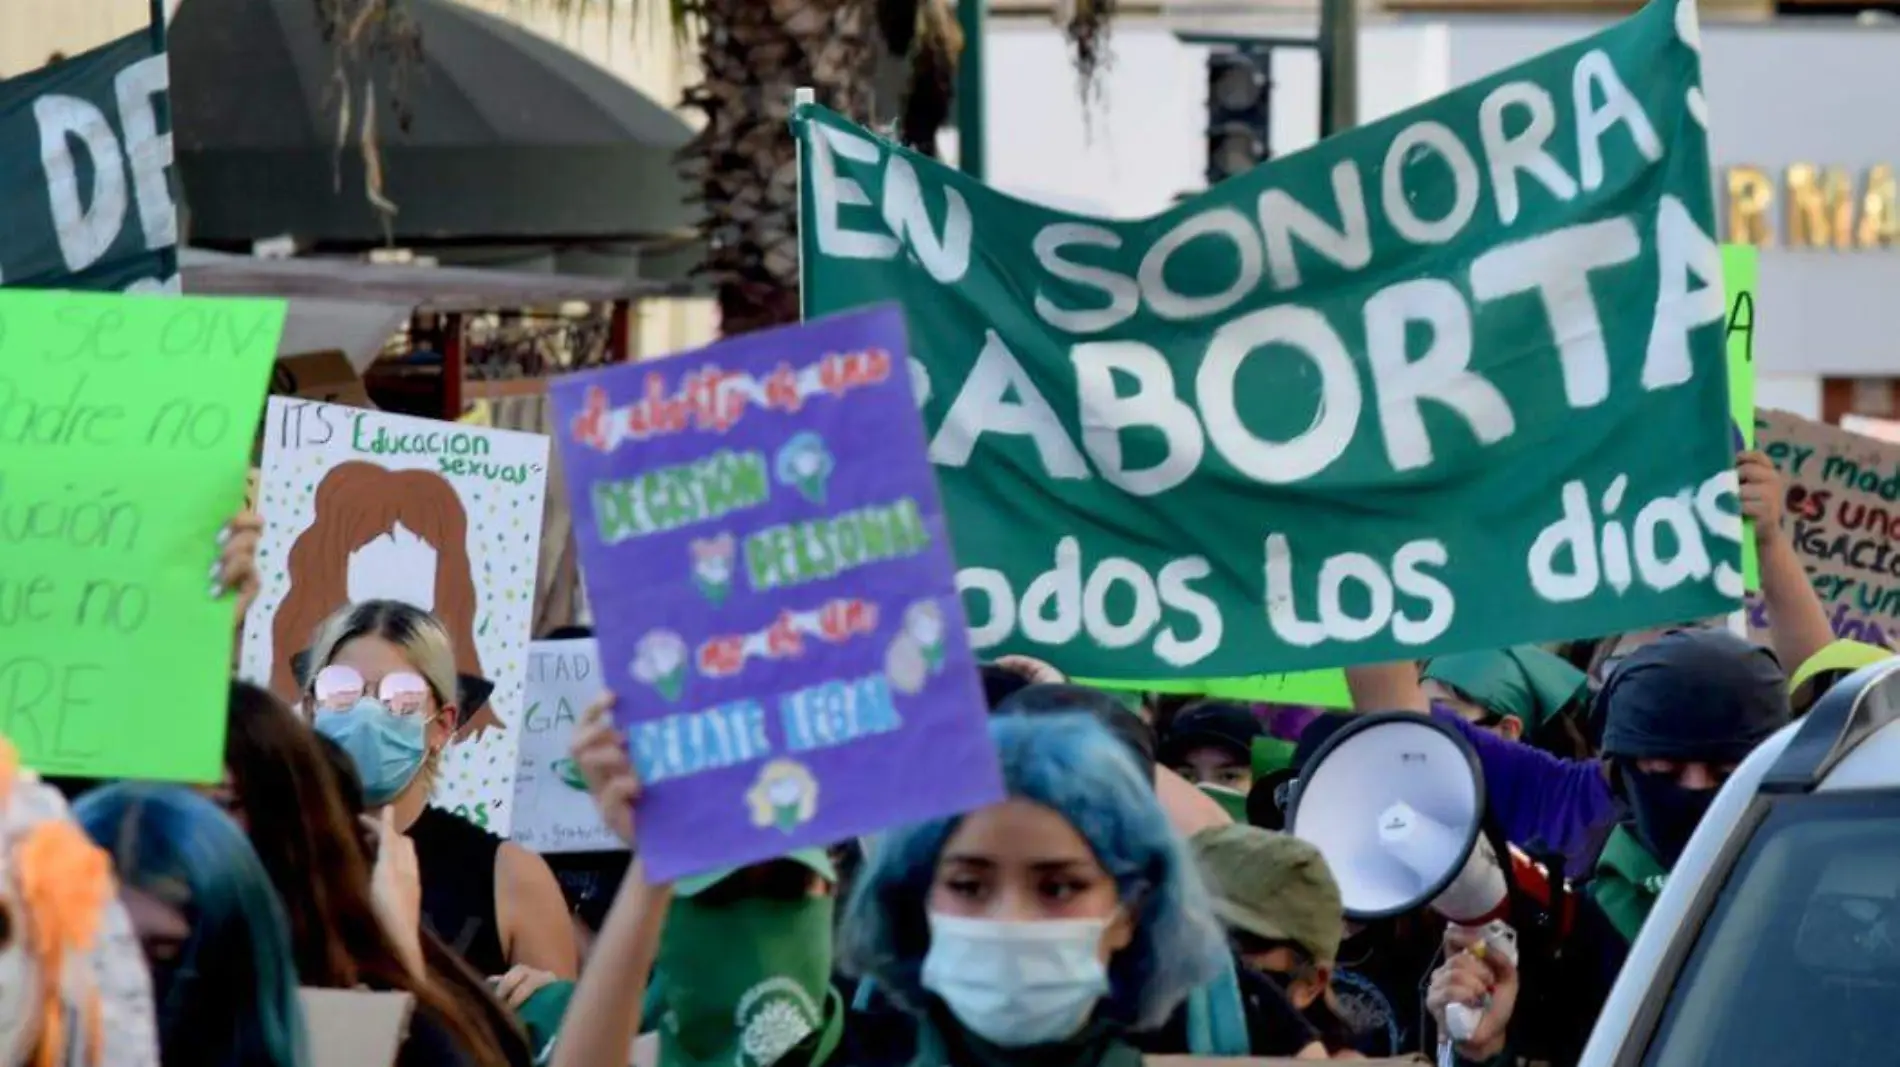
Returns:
<point x="457" y="863"/>
<point x="1275" y="1028"/>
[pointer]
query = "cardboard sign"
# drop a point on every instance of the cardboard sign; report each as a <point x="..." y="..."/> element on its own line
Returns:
<point x="322" y="376"/>
<point x="354" y="1028"/>
<point x="125" y="429"/>
<point x="766" y="556"/>
<point x="553" y="812"/>
<point x="1843" y="509"/>
<point x="360" y="505"/>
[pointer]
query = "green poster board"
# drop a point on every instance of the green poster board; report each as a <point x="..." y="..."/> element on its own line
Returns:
<point x="126" y="426"/>
<point x="1324" y="689"/>
<point x="1740" y="264"/>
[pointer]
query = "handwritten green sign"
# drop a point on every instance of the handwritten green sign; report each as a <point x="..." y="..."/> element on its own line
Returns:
<point x="1740" y="264"/>
<point x="1320" y="689"/>
<point x="125" y="437"/>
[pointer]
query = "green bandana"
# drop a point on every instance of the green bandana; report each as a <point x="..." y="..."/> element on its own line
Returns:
<point x="748" y="984"/>
<point x="1628" y="881"/>
<point x="1524" y="683"/>
<point x="1232" y="801"/>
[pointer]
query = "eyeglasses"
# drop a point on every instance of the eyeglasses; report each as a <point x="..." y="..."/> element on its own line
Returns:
<point x="337" y="688"/>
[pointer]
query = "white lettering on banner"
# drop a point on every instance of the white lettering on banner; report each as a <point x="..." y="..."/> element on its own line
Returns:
<point x="1283" y="218"/>
<point x="1153" y="404"/>
<point x="1409" y="147"/>
<point x="1265" y="245"/>
<point x="831" y="192"/>
<point x="1398" y="371"/>
<point x="1557" y="266"/>
<point x="148" y="151"/>
<point x="86" y="225"/>
<point x="87" y="222"/>
<point x="1660" y="561"/>
<point x="1124" y="296"/>
<point x="1689" y="32"/>
<point x="1000" y="396"/>
<point x="1220" y="222"/>
<point x="1306" y="332"/>
<point x="1061" y="602"/>
<point x="1375" y="586"/>
<point x="1595" y="75"/>
<point x="1682" y="251"/>
<point x="983" y="405"/>
<point x="1508" y="155"/>
<point x="1442" y="374"/>
<point x="945" y="256"/>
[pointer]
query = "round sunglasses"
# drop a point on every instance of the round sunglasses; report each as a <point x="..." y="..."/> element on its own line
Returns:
<point x="338" y="688"/>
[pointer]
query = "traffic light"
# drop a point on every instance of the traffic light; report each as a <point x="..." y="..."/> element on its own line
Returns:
<point x="1239" y="102"/>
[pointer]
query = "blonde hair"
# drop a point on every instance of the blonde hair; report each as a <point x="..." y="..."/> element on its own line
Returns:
<point x="424" y="642"/>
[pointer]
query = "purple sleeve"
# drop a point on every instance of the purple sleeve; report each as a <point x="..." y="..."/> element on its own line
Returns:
<point x="1285" y="721"/>
<point x="1540" y="801"/>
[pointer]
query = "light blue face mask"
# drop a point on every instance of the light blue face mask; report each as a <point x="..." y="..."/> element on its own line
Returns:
<point x="388" y="749"/>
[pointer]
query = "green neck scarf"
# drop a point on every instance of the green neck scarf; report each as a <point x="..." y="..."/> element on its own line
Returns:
<point x="1525" y="683"/>
<point x="1232" y="801"/>
<point x="1628" y="880"/>
<point x="748" y="984"/>
<point x="942" y="1043"/>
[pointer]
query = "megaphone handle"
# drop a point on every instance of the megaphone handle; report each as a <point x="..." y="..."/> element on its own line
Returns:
<point x="1462" y="1020"/>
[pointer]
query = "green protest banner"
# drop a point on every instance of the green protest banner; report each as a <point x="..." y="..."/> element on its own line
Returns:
<point x="1327" y="689"/>
<point x="1740" y="264"/>
<point x="125" y="437"/>
<point x="1450" y="380"/>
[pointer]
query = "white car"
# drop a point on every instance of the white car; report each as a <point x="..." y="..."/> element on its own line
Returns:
<point x="1776" y="941"/>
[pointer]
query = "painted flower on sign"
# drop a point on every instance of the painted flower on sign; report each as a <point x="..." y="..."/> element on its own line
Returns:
<point x="805" y="465"/>
<point x="923" y="623"/>
<point x="712" y="567"/>
<point x="659" y="661"/>
<point x="785" y="795"/>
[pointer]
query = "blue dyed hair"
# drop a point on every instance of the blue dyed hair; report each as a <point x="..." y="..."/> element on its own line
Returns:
<point x="1072" y="765"/>
<point x="232" y="999"/>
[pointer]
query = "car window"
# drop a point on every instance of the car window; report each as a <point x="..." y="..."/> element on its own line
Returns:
<point x="1799" y="959"/>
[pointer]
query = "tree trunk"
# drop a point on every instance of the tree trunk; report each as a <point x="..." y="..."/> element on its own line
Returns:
<point x="754" y="54"/>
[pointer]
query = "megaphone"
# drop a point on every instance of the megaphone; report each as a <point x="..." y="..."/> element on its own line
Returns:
<point x="1395" y="804"/>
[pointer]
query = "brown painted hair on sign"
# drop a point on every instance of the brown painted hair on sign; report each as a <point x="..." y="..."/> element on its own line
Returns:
<point x="356" y="503"/>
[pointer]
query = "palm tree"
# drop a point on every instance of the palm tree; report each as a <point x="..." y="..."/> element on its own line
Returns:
<point x="752" y="55"/>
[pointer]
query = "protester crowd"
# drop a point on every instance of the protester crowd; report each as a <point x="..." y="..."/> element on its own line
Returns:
<point x="1134" y="894"/>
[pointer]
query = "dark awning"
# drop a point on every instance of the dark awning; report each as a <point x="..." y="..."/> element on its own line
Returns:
<point x="513" y="137"/>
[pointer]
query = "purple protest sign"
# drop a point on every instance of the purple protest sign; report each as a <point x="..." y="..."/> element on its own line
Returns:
<point x="771" y="580"/>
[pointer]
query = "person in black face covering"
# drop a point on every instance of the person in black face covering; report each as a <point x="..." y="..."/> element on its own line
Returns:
<point x="1679" y="715"/>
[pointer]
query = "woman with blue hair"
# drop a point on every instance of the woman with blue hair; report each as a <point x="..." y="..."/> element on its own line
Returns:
<point x="1047" y="928"/>
<point x="212" y="928"/>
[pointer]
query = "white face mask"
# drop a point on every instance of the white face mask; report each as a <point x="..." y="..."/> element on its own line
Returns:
<point x="1017" y="984"/>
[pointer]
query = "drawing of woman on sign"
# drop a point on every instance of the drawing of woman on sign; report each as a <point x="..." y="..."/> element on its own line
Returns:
<point x="392" y="535"/>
